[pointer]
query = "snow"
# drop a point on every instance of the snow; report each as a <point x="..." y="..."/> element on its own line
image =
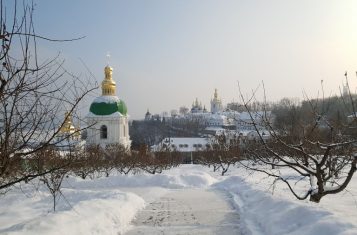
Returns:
<point x="215" y="128"/>
<point x="173" y="179"/>
<point x="264" y="213"/>
<point x="115" y="114"/>
<point x="109" y="205"/>
<point x="106" y="99"/>
<point x="88" y="212"/>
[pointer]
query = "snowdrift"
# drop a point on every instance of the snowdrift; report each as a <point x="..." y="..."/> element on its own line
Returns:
<point x="263" y="213"/>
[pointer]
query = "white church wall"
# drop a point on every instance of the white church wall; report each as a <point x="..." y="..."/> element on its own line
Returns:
<point x="117" y="130"/>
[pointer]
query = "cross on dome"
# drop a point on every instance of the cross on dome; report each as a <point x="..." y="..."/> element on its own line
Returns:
<point x="108" y="58"/>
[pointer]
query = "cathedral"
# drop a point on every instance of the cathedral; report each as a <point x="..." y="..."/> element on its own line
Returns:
<point x="108" y="118"/>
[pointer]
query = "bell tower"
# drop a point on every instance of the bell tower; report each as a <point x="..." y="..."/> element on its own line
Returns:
<point x="216" y="103"/>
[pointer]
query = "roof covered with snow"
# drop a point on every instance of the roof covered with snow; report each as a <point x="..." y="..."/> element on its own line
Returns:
<point x="107" y="105"/>
<point x="106" y="99"/>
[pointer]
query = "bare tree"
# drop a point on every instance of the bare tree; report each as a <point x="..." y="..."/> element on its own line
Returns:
<point x="87" y="161"/>
<point x="222" y="153"/>
<point x="321" y="155"/>
<point x="183" y="110"/>
<point x="53" y="180"/>
<point x="34" y="93"/>
<point x="156" y="162"/>
<point x="115" y="156"/>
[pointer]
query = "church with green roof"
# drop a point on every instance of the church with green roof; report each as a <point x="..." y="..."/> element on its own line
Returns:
<point x="108" y="116"/>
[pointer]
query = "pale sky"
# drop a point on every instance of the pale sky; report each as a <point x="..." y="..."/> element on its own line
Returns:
<point x="166" y="53"/>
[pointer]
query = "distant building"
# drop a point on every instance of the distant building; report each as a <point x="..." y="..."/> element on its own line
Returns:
<point x="246" y="136"/>
<point x="216" y="103"/>
<point x="186" y="146"/>
<point x="182" y="144"/>
<point x="197" y="107"/>
<point x="245" y="121"/>
<point x="148" y="116"/>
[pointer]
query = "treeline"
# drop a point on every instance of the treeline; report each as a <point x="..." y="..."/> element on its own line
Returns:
<point x="51" y="166"/>
<point x="221" y="155"/>
<point x="151" y="132"/>
<point x="329" y="115"/>
<point x="93" y="161"/>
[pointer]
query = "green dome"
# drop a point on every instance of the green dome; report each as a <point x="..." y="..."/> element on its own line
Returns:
<point x="106" y="107"/>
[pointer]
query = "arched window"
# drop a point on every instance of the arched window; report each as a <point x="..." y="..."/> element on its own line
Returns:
<point x="103" y="132"/>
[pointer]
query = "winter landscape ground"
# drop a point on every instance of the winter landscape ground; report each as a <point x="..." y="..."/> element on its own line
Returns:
<point x="190" y="199"/>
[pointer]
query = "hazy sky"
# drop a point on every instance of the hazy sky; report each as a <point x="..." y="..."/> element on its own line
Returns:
<point x="166" y="53"/>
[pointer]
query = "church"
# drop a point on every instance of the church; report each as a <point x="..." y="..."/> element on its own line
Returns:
<point x="108" y="118"/>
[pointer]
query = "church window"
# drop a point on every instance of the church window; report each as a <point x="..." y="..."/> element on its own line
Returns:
<point x="103" y="132"/>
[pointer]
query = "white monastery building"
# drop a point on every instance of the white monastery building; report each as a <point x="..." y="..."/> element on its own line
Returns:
<point x="107" y="117"/>
<point x="222" y="120"/>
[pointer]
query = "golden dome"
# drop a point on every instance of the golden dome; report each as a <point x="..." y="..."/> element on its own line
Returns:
<point x="67" y="126"/>
<point x="108" y="84"/>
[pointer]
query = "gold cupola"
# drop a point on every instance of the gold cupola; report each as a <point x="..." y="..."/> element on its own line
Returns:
<point x="108" y="84"/>
<point x="67" y="126"/>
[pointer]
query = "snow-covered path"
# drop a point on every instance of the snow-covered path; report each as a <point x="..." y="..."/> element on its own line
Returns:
<point x="188" y="211"/>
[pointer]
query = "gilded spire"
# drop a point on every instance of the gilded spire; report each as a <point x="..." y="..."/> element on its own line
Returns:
<point x="108" y="84"/>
